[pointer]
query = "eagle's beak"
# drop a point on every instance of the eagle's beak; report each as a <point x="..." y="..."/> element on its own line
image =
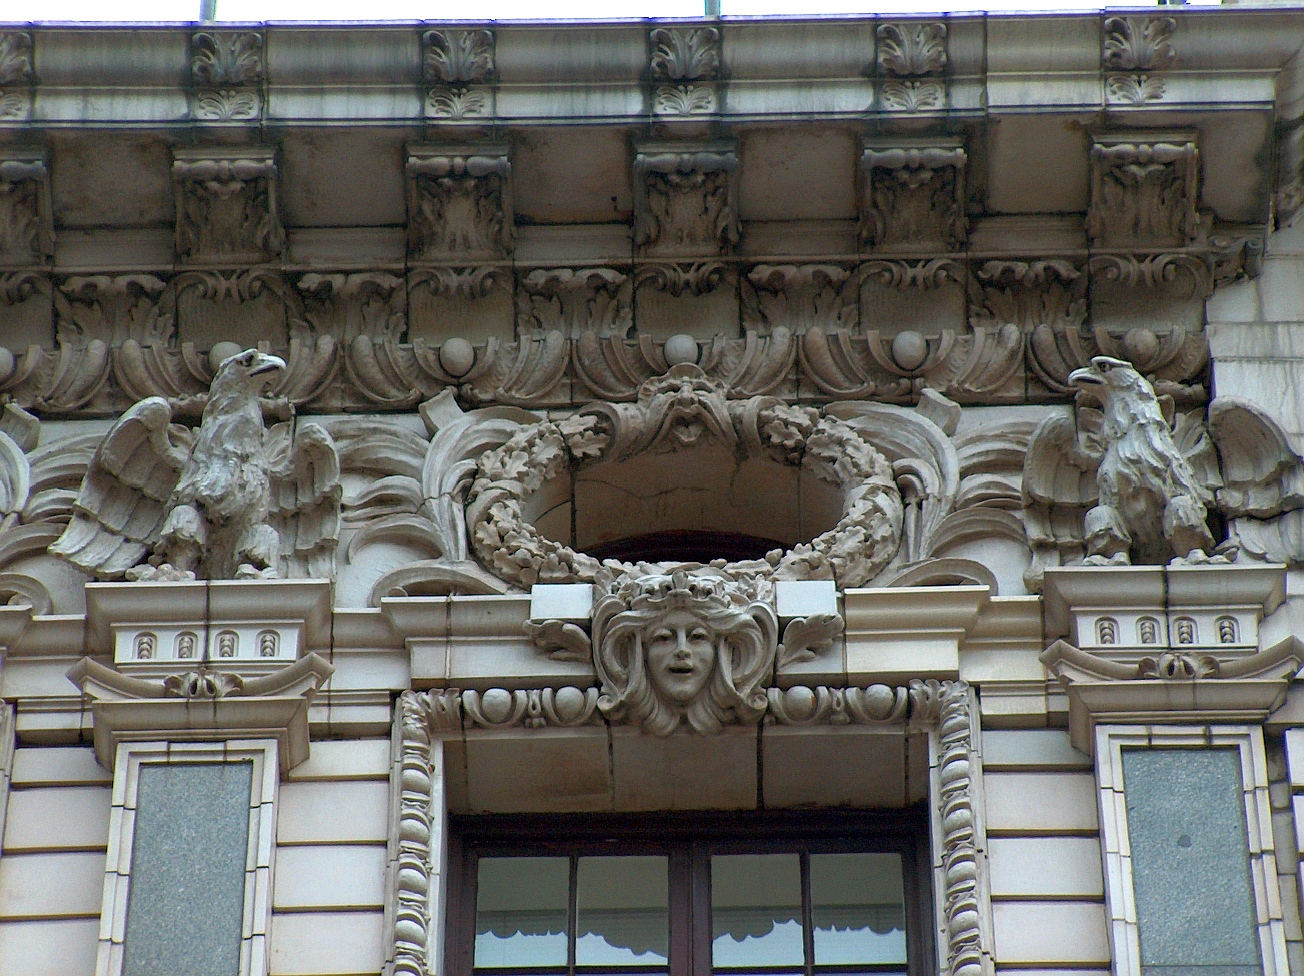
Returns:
<point x="1086" y="376"/>
<point x="267" y="364"/>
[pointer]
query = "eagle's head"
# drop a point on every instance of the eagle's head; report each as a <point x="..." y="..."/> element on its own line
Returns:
<point x="245" y="374"/>
<point x="1107" y="378"/>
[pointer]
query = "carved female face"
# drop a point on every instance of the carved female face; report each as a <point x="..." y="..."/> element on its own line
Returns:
<point x="680" y="651"/>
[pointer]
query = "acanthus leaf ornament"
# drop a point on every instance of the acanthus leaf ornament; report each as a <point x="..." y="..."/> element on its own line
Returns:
<point x="227" y="207"/>
<point x="684" y="53"/>
<point x="686" y="199"/>
<point x="221" y="58"/>
<point x="1139" y="43"/>
<point x="458" y="66"/>
<point x="912" y="195"/>
<point x="459" y="203"/>
<point x="911" y="48"/>
<point x="1144" y="190"/>
<point x="15" y="75"/>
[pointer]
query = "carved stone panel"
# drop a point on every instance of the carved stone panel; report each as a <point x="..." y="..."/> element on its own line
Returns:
<point x="227" y="70"/>
<point x="459" y="203"/>
<point x="575" y="300"/>
<point x="15" y="76"/>
<point x="911" y="61"/>
<point x="458" y="66"/>
<point x="1144" y="190"/>
<point x="686" y="199"/>
<point x="912" y="194"/>
<point x="684" y="64"/>
<point x="227" y="208"/>
<point x="26" y="225"/>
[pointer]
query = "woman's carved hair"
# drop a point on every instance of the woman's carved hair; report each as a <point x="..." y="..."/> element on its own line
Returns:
<point x="745" y="637"/>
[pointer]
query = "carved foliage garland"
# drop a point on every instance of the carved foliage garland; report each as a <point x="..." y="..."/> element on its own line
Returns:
<point x="673" y="412"/>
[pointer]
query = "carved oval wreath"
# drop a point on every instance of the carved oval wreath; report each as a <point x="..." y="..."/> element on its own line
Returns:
<point x="676" y="411"/>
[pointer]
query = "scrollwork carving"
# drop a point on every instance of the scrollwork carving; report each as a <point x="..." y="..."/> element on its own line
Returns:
<point x="227" y="211"/>
<point x="1144" y="194"/>
<point x="685" y="200"/>
<point x="576" y="300"/>
<point x="912" y="196"/>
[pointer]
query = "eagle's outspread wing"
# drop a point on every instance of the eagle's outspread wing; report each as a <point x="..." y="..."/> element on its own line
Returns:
<point x="305" y="498"/>
<point x="123" y="498"/>
<point x="1059" y="487"/>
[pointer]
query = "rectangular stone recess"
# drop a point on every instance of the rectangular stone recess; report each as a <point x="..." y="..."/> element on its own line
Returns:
<point x="190" y="847"/>
<point x="1186" y="827"/>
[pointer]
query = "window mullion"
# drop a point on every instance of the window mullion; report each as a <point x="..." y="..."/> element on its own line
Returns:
<point x="572" y="915"/>
<point x="701" y="911"/>
<point x="807" y="921"/>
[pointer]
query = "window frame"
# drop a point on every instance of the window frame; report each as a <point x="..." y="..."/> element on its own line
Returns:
<point x="688" y="840"/>
<point x="1120" y="898"/>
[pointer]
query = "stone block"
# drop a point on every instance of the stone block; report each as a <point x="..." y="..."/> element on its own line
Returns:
<point x="701" y="311"/>
<point x="1045" y="867"/>
<point x="804" y="598"/>
<point x="313" y="943"/>
<point x="833" y="767"/>
<point x="1064" y="803"/>
<point x="1294" y="757"/>
<point x="900" y="633"/>
<point x="49" y="947"/>
<point x="329" y="877"/>
<point x="58" y="766"/>
<point x="1071" y="933"/>
<point x="60" y="885"/>
<point x="344" y="759"/>
<point x="310" y="813"/>
<point x="545" y="770"/>
<point x="684" y="771"/>
<point x="561" y="601"/>
<point x="57" y="818"/>
<point x="1030" y="749"/>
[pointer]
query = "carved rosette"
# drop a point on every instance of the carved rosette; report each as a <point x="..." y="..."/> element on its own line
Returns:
<point x="1135" y="51"/>
<point x="459" y="71"/>
<point x="227" y="209"/>
<point x="912" y="195"/>
<point x="911" y="63"/>
<point x="15" y="76"/>
<point x="684" y="65"/>
<point x="459" y="203"/>
<point x="227" y="71"/>
<point x="1144" y="190"/>
<point x="673" y="412"/>
<point x="685" y="200"/>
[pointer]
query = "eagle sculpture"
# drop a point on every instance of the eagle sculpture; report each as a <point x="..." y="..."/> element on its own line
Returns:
<point x="1120" y="483"/>
<point x="232" y="499"/>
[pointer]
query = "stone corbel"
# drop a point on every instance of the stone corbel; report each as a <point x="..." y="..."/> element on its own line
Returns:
<point x="26" y="217"/>
<point x="895" y="633"/>
<point x="912" y="194"/>
<point x="1145" y="187"/>
<point x="686" y="199"/>
<point x="1173" y="686"/>
<point x="202" y="705"/>
<point x="459" y="203"/>
<point x="227" y="208"/>
<point x="243" y="628"/>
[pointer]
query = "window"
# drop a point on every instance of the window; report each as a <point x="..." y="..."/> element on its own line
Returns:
<point x="796" y="894"/>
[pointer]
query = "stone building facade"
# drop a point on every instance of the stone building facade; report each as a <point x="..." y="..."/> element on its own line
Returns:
<point x="788" y="496"/>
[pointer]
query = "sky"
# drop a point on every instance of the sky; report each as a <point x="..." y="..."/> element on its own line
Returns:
<point x="379" y="10"/>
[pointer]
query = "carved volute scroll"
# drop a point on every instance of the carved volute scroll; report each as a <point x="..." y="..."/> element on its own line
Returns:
<point x="459" y="203"/>
<point x="912" y="194"/>
<point x="459" y="71"/>
<point x="684" y="64"/>
<point x="227" y="209"/>
<point x="686" y="199"/>
<point x="1144" y="190"/>
<point x="26" y="223"/>
<point x="911" y="61"/>
<point x="227" y="70"/>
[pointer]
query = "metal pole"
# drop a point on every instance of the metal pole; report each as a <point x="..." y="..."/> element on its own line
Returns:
<point x="208" y="10"/>
<point x="713" y="9"/>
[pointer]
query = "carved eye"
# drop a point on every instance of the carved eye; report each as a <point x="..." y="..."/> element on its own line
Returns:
<point x="661" y="635"/>
<point x="699" y="634"/>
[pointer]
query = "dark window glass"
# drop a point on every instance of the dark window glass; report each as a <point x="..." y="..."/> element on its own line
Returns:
<point x="587" y="899"/>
